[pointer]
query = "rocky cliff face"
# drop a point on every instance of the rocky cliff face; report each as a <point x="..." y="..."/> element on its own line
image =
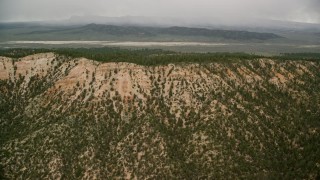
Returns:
<point x="77" y="118"/>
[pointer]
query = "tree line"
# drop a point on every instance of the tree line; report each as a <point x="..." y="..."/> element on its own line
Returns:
<point x="151" y="57"/>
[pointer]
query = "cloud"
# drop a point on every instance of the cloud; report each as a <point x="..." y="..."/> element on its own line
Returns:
<point x="28" y="10"/>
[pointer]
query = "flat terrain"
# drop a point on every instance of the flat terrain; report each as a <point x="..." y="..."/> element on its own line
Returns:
<point x="257" y="48"/>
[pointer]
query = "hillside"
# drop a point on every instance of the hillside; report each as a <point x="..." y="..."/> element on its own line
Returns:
<point x="75" y="118"/>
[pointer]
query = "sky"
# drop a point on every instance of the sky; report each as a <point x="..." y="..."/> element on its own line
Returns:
<point x="39" y="10"/>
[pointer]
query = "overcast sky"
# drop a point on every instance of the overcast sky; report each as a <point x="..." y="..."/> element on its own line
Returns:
<point x="33" y="10"/>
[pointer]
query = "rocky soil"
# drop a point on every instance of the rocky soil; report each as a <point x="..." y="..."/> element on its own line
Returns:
<point x="65" y="118"/>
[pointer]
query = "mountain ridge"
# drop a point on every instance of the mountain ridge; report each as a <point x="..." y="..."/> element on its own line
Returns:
<point x="103" y="30"/>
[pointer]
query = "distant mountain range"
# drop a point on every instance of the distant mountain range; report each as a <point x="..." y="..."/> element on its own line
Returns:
<point x="132" y="28"/>
<point x="111" y="32"/>
<point x="209" y="22"/>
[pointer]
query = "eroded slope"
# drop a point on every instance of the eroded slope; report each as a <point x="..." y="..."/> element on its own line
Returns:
<point x="77" y="118"/>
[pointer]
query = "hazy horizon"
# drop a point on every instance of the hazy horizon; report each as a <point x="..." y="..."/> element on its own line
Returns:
<point x="232" y="11"/>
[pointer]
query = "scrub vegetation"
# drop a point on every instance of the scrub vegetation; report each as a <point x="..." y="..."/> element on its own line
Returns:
<point x="112" y="113"/>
